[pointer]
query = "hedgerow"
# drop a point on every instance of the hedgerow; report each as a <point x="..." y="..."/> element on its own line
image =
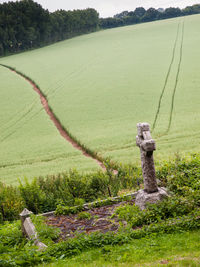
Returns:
<point x="43" y="194"/>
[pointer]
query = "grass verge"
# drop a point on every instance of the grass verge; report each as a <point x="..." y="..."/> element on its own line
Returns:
<point x="177" y="249"/>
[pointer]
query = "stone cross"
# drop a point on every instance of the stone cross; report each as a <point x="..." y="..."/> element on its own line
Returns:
<point x="147" y="145"/>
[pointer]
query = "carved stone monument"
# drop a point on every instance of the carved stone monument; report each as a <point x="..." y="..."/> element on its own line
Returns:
<point x="151" y="193"/>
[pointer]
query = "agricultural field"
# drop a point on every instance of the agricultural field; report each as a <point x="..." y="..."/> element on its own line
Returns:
<point x="29" y="143"/>
<point x="100" y="86"/>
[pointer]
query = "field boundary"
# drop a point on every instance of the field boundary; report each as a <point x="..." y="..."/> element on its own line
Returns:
<point x="62" y="130"/>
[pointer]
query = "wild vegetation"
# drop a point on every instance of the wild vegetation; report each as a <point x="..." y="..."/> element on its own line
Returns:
<point x="140" y="15"/>
<point x="165" y="224"/>
<point x="71" y="189"/>
<point x="26" y="25"/>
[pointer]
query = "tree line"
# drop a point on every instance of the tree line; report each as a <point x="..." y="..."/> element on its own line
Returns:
<point x="142" y="15"/>
<point x="25" y="24"/>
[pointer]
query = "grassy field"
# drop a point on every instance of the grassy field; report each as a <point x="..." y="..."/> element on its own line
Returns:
<point x="101" y="84"/>
<point x="179" y="249"/>
<point x="30" y="144"/>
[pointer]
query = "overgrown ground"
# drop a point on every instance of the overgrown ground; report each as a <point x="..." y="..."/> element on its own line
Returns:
<point x="178" y="249"/>
<point x="181" y="248"/>
<point x="166" y="232"/>
<point x="100" y="85"/>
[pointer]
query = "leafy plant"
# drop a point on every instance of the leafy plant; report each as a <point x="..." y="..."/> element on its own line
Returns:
<point x="11" y="203"/>
<point x="33" y="195"/>
<point x="46" y="233"/>
<point x="84" y="216"/>
<point x="168" y="208"/>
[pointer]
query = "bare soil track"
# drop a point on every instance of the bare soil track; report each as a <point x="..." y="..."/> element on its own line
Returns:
<point x="53" y="118"/>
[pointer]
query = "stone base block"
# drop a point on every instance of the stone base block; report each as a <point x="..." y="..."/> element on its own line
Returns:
<point x="142" y="197"/>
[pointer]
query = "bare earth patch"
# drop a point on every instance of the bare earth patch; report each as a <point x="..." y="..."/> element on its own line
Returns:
<point x="100" y="221"/>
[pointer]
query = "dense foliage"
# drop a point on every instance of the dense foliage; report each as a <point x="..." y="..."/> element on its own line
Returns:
<point x="25" y="24"/>
<point x="66" y="189"/>
<point x="182" y="180"/>
<point x="141" y="15"/>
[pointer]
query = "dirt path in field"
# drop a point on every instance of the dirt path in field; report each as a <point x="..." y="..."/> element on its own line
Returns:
<point x="63" y="132"/>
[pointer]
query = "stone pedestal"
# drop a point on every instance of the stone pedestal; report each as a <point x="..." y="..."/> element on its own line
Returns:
<point x="142" y="197"/>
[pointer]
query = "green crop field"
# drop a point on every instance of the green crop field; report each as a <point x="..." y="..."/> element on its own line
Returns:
<point x="29" y="143"/>
<point x="100" y="86"/>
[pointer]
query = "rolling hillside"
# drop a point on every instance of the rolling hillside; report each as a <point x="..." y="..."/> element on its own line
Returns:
<point x="30" y="144"/>
<point x="99" y="86"/>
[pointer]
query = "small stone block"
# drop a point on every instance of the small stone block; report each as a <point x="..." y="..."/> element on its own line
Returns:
<point x="25" y="213"/>
<point x="142" y="127"/>
<point x="30" y="229"/>
<point x="143" y="197"/>
<point x="148" y="145"/>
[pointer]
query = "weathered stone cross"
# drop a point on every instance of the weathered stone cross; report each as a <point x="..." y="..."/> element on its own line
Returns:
<point x="151" y="193"/>
<point x="147" y="145"/>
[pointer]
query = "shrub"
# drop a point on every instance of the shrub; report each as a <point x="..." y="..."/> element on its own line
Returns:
<point x="11" y="203"/>
<point x="181" y="175"/>
<point x="43" y="195"/>
<point x="130" y="176"/>
<point x="33" y="196"/>
<point x="168" y="208"/>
